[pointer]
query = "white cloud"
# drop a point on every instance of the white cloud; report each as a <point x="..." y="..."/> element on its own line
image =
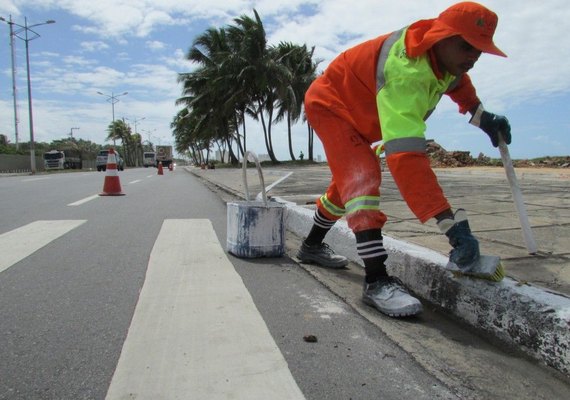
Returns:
<point x="178" y="61"/>
<point x="76" y="60"/>
<point x="155" y="45"/>
<point x="95" y="45"/>
<point x="120" y="35"/>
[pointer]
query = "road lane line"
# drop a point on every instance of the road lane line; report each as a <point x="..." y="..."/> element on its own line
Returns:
<point x="36" y="179"/>
<point x="135" y="181"/>
<point x="259" y="196"/>
<point x="85" y="200"/>
<point x="20" y="243"/>
<point x="196" y="332"/>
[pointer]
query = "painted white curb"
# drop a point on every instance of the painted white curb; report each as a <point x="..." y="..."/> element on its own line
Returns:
<point x="527" y="317"/>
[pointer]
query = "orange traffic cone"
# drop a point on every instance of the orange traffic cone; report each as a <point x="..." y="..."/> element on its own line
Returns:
<point x="160" y="171"/>
<point x="112" y="185"/>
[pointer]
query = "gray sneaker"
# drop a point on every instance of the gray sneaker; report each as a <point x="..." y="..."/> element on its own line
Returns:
<point x="322" y="255"/>
<point x="390" y="297"/>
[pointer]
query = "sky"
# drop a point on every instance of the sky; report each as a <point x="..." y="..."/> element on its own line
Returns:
<point x="140" y="47"/>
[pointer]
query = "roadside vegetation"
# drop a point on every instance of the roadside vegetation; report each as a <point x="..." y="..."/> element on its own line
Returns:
<point x="238" y="76"/>
<point x="129" y="145"/>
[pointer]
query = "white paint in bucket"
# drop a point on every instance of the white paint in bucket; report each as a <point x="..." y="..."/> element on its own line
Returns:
<point x="255" y="228"/>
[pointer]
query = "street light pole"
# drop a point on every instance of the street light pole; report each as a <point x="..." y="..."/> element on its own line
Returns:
<point x="30" y="115"/>
<point x="141" y="155"/>
<point x="113" y="100"/>
<point x="25" y="28"/>
<point x="71" y="132"/>
<point x="14" y="92"/>
<point x="135" y="121"/>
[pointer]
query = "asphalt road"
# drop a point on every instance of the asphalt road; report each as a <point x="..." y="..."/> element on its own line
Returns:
<point x="66" y="308"/>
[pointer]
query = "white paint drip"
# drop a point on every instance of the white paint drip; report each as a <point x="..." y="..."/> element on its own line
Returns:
<point x="323" y="306"/>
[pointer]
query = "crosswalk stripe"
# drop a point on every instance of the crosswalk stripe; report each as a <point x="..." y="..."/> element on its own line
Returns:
<point x="20" y="243"/>
<point x="196" y="332"/>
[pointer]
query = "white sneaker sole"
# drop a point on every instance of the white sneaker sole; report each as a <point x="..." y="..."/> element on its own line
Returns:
<point x="408" y="311"/>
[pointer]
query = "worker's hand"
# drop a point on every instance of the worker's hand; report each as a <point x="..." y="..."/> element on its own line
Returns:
<point x="465" y="245"/>
<point x="495" y="125"/>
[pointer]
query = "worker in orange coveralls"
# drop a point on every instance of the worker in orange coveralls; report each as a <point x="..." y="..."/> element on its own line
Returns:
<point x="384" y="89"/>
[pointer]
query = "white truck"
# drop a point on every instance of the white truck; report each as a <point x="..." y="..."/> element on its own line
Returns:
<point x="101" y="161"/>
<point x="149" y="159"/>
<point x="62" y="159"/>
<point x="164" y="155"/>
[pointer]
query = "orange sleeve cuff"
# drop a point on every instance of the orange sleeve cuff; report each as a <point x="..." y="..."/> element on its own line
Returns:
<point x="464" y="95"/>
<point x="417" y="184"/>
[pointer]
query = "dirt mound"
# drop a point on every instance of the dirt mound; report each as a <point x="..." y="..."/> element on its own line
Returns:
<point x="441" y="158"/>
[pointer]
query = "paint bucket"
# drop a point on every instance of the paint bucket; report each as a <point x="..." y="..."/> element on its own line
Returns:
<point x="255" y="228"/>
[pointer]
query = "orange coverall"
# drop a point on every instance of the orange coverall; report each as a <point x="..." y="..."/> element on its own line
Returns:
<point x="341" y="105"/>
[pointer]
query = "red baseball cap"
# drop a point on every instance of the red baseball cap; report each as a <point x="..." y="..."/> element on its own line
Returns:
<point x="472" y="21"/>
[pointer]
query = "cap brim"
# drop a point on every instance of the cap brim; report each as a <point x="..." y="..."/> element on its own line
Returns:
<point x="488" y="48"/>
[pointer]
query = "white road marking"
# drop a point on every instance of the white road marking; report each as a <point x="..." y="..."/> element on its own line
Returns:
<point x="85" y="200"/>
<point x="20" y="243"/>
<point x="135" y="181"/>
<point x="259" y="196"/>
<point x="196" y="333"/>
<point x="36" y="179"/>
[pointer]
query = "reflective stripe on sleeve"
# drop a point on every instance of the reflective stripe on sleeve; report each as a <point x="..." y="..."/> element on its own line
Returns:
<point x="383" y="56"/>
<point x="408" y="144"/>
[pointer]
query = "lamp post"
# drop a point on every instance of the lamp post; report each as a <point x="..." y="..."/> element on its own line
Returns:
<point x="14" y="92"/>
<point x="149" y="134"/>
<point x="113" y="99"/>
<point x="71" y="132"/>
<point x="137" y="158"/>
<point x="135" y="121"/>
<point x="26" y="30"/>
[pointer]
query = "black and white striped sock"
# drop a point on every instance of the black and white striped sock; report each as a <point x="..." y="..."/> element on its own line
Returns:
<point x="321" y="225"/>
<point x="370" y="247"/>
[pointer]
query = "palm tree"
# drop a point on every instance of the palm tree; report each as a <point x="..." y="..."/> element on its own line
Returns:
<point x="291" y="92"/>
<point x="208" y="90"/>
<point x="137" y="149"/>
<point x="238" y="75"/>
<point x="256" y="68"/>
<point x="119" y="130"/>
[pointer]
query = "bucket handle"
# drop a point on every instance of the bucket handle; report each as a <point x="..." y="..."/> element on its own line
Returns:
<point x="244" y="173"/>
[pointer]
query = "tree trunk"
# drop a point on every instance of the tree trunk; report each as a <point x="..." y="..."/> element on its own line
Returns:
<point x="240" y="147"/>
<point x="244" y="135"/>
<point x="269" y="125"/>
<point x="311" y="135"/>
<point x="265" y="136"/>
<point x="289" y="137"/>
<point x="232" y="158"/>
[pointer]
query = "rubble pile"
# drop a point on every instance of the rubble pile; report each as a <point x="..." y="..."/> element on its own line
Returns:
<point x="440" y="158"/>
<point x="546" y="162"/>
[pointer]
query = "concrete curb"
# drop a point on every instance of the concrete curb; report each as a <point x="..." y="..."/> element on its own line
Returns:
<point x="529" y="318"/>
<point x="526" y="317"/>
